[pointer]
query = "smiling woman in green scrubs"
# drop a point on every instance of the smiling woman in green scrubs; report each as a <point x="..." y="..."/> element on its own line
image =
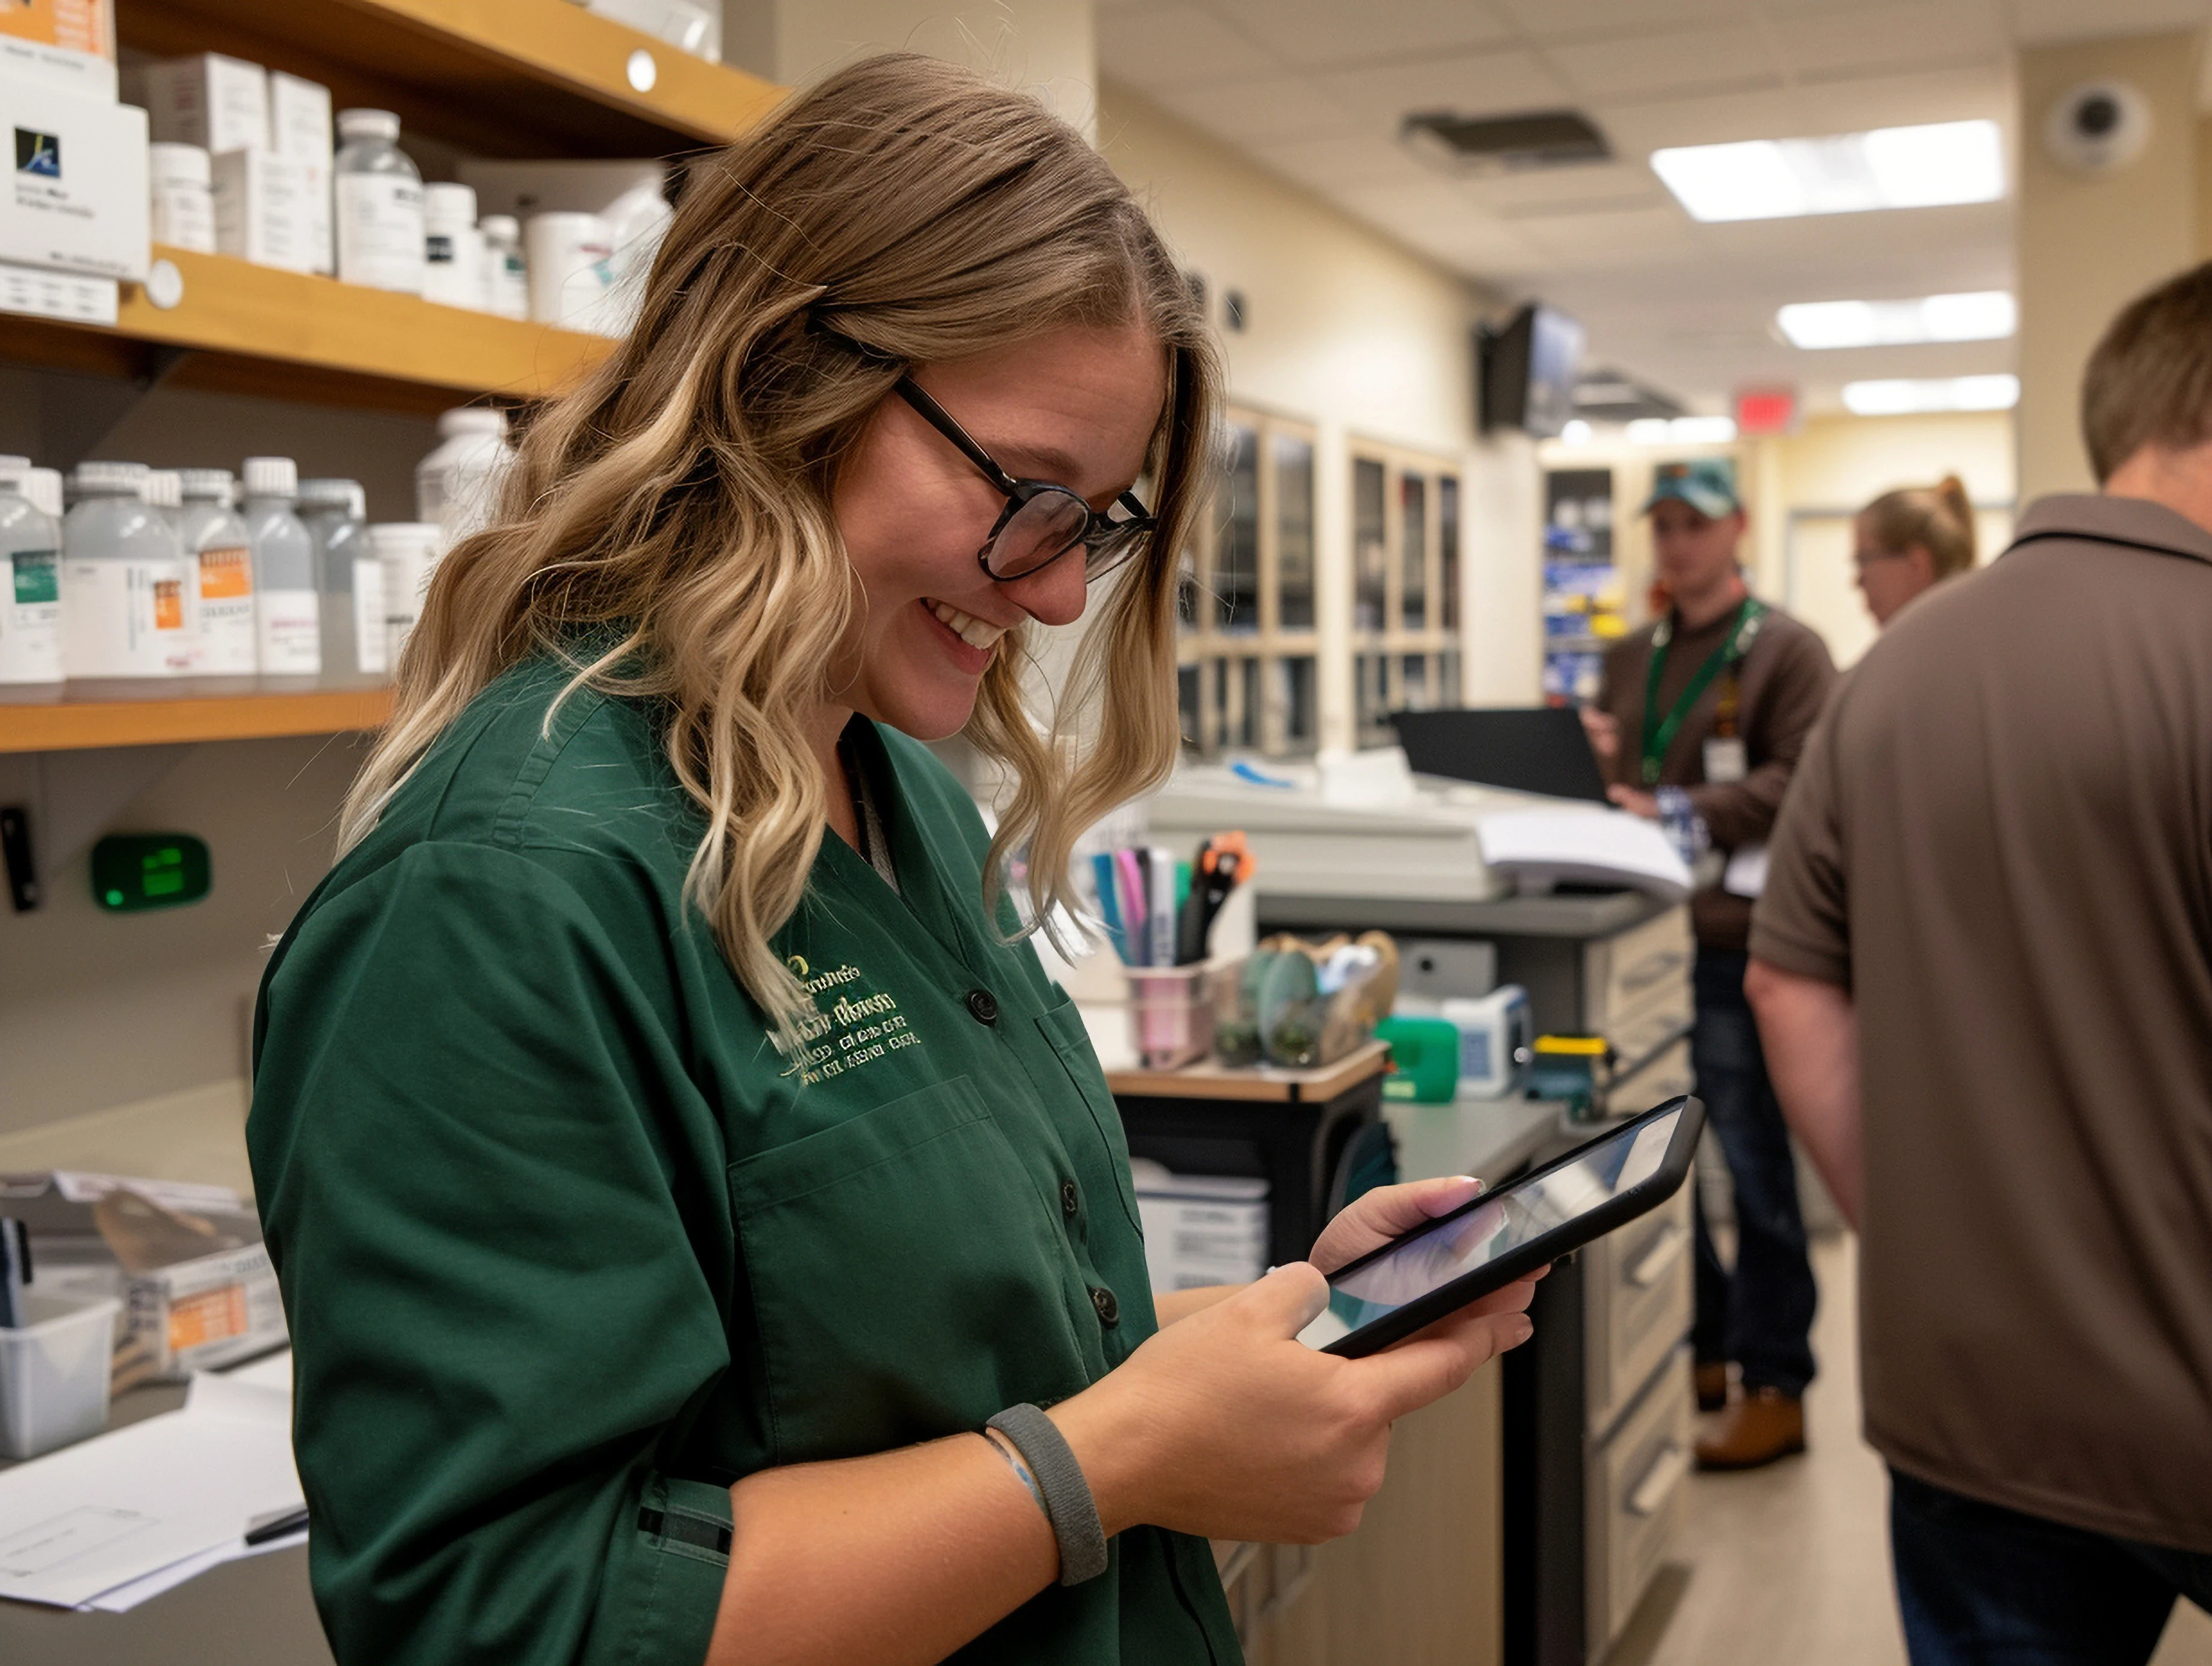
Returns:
<point x="672" y="1155"/>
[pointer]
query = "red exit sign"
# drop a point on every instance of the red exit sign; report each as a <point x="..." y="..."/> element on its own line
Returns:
<point x="1766" y="411"/>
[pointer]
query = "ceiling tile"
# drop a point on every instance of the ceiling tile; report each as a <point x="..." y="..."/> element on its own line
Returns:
<point x="1170" y="45"/>
<point x="1561" y="189"/>
<point x="1330" y="33"/>
<point x="1647" y="65"/>
<point x="1840" y="105"/>
<point x="1247" y="114"/>
<point x="1468" y="84"/>
<point x="1885" y="36"/>
<point x="2036" y="23"/>
<point x="1546" y="20"/>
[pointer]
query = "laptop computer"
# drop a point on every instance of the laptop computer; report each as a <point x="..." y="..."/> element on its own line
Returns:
<point x="1531" y="749"/>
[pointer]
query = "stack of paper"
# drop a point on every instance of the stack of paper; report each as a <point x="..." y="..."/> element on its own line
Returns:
<point x="113" y="1521"/>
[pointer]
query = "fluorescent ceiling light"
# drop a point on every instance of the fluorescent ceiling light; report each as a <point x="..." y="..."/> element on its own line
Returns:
<point x="1896" y="398"/>
<point x="1925" y="167"/>
<point x="1681" y="431"/>
<point x="1982" y="315"/>
<point x="1576" y="432"/>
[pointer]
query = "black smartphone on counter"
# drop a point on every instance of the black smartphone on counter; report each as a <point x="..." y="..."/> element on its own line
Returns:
<point x="1486" y="1244"/>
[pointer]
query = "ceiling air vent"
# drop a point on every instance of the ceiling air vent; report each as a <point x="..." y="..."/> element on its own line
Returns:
<point x="1504" y="144"/>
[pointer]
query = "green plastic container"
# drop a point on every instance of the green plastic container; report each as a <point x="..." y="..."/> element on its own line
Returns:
<point x="1425" y="1054"/>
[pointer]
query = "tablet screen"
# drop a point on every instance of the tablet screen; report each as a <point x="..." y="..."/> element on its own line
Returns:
<point x="1492" y="1228"/>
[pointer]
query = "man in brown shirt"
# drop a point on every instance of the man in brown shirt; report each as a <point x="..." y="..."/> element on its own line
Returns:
<point x="1699" y="721"/>
<point x="1983" y="966"/>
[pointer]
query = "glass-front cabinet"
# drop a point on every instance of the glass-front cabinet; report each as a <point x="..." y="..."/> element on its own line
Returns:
<point x="1405" y="586"/>
<point x="1250" y="652"/>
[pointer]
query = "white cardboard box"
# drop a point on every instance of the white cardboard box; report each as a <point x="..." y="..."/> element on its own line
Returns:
<point x="89" y="74"/>
<point x="264" y="210"/>
<point x="299" y="128"/>
<point x="77" y="200"/>
<point x="214" y="102"/>
<point x="43" y="293"/>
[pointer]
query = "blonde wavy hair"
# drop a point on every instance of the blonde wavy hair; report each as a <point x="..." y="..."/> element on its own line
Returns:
<point x="673" y="513"/>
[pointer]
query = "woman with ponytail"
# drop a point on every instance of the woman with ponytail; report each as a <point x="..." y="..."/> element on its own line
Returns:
<point x="1910" y="539"/>
<point x="707" y="1234"/>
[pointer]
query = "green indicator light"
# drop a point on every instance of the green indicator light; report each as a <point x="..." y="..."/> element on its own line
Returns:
<point x="115" y="899"/>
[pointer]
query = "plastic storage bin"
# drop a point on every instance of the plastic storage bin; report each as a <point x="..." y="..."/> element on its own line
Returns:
<point x="54" y="1373"/>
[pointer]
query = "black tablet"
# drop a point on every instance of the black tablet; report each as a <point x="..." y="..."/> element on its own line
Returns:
<point x="1484" y="1246"/>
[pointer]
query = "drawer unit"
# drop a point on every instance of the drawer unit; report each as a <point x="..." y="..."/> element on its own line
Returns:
<point x="1636" y="1307"/>
<point x="1635" y="1499"/>
<point x="1664" y="1015"/>
<point x="1668" y="1074"/>
<point x="1621" y="973"/>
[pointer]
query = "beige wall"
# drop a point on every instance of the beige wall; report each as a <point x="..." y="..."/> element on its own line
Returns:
<point x="2088" y="243"/>
<point x="1363" y="339"/>
<point x="99" y="1010"/>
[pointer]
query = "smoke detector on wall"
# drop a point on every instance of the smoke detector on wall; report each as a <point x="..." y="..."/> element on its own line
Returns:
<point x="2097" y="126"/>
<point x="1504" y="144"/>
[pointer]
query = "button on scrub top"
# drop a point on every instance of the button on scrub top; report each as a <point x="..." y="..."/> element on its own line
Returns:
<point x="569" y="1245"/>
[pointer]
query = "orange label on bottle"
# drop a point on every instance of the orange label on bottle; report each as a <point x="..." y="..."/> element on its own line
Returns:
<point x="209" y="1316"/>
<point x="169" y="605"/>
<point x="225" y="575"/>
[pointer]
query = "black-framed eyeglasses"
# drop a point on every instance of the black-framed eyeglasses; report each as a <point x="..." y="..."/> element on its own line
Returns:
<point x="1043" y="520"/>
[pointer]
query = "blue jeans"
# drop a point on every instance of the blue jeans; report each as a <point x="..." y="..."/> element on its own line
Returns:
<point x="1978" y="1584"/>
<point x="1759" y="1316"/>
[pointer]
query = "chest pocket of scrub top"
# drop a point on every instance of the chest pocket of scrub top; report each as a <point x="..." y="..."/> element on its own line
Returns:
<point x="1063" y="1027"/>
<point x="907" y="1278"/>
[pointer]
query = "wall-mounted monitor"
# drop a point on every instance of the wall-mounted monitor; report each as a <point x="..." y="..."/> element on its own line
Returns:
<point x="1527" y="371"/>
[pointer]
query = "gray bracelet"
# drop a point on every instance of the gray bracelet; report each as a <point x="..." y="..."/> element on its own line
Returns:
<point x="1068" y="1505"/>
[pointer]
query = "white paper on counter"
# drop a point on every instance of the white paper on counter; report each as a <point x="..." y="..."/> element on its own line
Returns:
<point x="109" y="1512"/>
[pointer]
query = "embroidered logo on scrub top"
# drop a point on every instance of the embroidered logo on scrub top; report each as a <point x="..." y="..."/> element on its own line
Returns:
<point x="867" y="1025"/>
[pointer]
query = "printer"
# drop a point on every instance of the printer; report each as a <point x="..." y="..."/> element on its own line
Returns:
<point x="1362" y="823"/>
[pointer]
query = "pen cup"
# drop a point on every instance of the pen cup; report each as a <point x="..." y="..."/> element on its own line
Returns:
<point x="1170" y="1014"/>
<point x="54" y="1373"/>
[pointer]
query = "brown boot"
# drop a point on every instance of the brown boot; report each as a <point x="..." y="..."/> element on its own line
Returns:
<point x="1760" y="1426"/>
<point x="1712" y="1384"/>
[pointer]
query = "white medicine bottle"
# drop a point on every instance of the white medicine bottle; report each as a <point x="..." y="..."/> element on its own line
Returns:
<point x="457" y="485"/>
<point x="290" y="636"/>
<point x="214" y="535"/>
<point x="30" y="578"/>
<point x="347" y="576"/>
<point x="453" y="247"/>
<point x="125" y="587"/>
<point x="506" y="280"/>
<point x="378" y="200"/>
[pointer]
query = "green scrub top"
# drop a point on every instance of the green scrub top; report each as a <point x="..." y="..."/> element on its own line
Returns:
<point x="568" y="1246"/>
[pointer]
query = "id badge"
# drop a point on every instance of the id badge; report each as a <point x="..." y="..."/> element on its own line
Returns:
<point x="1725" y="763"/>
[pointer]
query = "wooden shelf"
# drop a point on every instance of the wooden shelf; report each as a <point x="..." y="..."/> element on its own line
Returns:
<point x="500" y="77"/>
<point x="158" y="713"/>
<point x="250" y="328"/>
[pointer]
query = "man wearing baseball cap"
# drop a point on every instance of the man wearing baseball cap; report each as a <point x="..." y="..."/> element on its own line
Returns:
<point x="1698" y="724"/>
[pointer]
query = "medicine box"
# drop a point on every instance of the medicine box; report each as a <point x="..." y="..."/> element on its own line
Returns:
<point x="264" y="210"/>
<point x="214" y="102"/>
<point x="299" y="128"/>
<point x="59" y="68"/>
<point x="196" y="1315"/>
<point x="39" y="292"/>
<point x="81" y="26"/>
<point x="77" y="200"/>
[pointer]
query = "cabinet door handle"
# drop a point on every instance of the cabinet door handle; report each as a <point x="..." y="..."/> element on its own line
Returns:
<point x="1660" y="1481"/>
<point x="1666" y="1249"/>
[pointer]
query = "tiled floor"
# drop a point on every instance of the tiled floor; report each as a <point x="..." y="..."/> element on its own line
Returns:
<point x="1792" y="1563"/>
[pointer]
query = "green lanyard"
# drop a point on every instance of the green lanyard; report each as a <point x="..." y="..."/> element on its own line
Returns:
<point x="1659" y="734"/>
